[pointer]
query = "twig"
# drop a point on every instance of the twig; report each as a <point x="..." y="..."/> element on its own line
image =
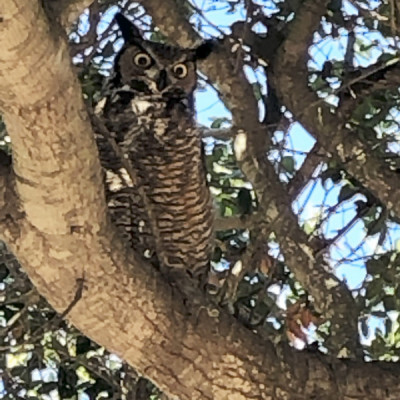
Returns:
<point x="58" y="317"/>
<point x="363" y="76"/>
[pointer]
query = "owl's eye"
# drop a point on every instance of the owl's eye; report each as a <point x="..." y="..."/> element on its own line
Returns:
<point x="142" y="60"/>
<point x="180" y="71"/>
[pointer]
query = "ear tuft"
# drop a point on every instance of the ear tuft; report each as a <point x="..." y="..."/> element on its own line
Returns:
<point x="204" y="50"/>
<point x="128" y="29"/>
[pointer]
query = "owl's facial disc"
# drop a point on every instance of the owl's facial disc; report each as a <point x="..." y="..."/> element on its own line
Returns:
<point x="149" y="68"/>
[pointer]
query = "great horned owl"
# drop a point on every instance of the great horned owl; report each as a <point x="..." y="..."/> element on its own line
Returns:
<point x="164" y="204"/>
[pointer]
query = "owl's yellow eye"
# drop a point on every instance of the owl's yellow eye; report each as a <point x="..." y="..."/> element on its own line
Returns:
<point x="142" y="60"/>
<point x="180" y="70"/>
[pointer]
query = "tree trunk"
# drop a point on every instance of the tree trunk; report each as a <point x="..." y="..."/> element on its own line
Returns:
<point x="59" y="230"/>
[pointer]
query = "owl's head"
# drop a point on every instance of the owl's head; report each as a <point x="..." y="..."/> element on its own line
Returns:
<point x="156" y="68"/>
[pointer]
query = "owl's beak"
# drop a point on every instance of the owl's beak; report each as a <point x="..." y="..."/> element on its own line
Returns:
<point x="162" y="80"/>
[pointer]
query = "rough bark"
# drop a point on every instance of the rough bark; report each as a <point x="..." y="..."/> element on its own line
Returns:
<point x="66" y="11"/>
<point x="61" y="234"/>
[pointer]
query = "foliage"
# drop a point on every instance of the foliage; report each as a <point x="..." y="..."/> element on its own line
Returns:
<point x="42" y="355"/>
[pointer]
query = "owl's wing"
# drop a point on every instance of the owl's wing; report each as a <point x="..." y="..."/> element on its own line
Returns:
<point x="112" y="118"/>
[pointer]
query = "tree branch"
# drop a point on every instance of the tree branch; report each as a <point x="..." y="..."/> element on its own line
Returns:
<point x="305" y="258"/>
<point x="222" y="133"/>
<point x="125" y="306"/>
<point x="374" y="15"/>
<point x="67" y="11"/>
<point x="290" y="77"/>
<point x="303" y="175"/>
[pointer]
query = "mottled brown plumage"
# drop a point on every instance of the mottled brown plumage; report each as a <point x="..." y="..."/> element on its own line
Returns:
<point x="158" y="194"/>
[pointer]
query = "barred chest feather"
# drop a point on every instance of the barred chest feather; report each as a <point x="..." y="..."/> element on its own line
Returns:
<point x="165" y="150"/>
<point x="150" y="121"/>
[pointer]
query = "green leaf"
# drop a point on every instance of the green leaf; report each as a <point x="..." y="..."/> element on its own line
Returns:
<point x="83" y="345"/>
<point x="390" y="303"/>
<point x="18" y="371"/>
<point x="389" y="275"/>
<point x="397" y="292"/>
<point x="108" y="49"/>
<point x="388" y="325"/>
<point x="308" y="228"/>
<point x="3" y="272"/>
<point x="374" y="227"/>
<point x="257" y="90"/>
<point x="47" y="387"/>
<point x="288" y="164"/>
<point x="244" y="201"/>
<point x="217" y="123"/>
<point x="365" y="47"/>
<point x="376" y="266"/>
<point x="319" y="84"/>
<point x="375" y="290"/>
<point x="364" y="326"/>
<point x="346" y="193"/>
<point x="333" y="173"/>
<point x="157" y="36"/>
